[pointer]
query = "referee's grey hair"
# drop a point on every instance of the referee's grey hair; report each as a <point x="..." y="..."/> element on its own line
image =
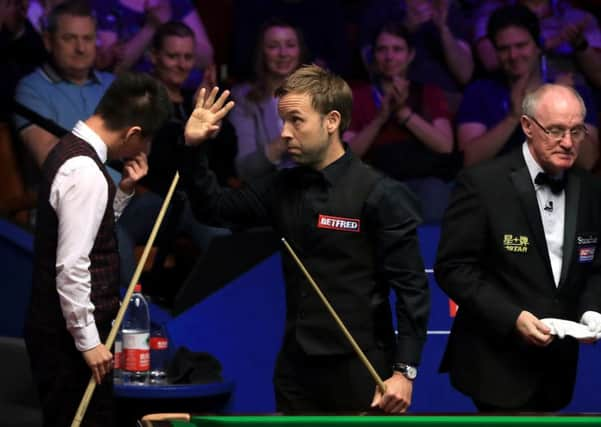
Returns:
<point x="530" y="102"/>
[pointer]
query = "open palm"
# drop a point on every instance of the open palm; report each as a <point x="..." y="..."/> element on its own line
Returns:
<point x="207" y="115"/>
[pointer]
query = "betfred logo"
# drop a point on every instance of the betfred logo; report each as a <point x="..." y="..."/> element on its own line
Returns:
<point x="339" y="223"/>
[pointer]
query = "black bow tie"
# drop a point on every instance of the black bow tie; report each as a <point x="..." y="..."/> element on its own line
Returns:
<point x="555" y="185"/>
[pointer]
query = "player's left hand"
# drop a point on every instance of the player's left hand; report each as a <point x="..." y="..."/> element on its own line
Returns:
<point x="207" y="115"/>
<point x="397" y="397"/>
<point x="133" y="170"/>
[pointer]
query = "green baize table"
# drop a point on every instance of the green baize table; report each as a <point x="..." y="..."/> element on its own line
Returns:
<point x="403" y="420"/>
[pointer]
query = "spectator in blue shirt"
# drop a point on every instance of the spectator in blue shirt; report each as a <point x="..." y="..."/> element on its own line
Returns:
<point x="66" y="88"/>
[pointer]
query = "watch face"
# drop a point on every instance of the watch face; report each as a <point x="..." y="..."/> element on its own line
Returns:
<point x="411" y="372"/>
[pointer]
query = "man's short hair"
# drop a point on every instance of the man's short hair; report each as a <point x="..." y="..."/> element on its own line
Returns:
<point x="328" y="91"/>
<point x="531" y="100"/>
<point x="171" y="29"/>
<point x="134" y="99"/>
<point x="513" y="16"/>
<point x="77" y="8"/>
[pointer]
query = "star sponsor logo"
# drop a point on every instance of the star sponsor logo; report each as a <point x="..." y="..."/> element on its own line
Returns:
<point x="339" y="223"/>
<point x="518" y="244"/>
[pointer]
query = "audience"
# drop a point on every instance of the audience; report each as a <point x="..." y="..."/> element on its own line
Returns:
<point x="442" y="55"/>
<point x="21" y="50"/>
<point x="67" y="88"/>
<point x="126" y="29"/>
<point x="403" y="127"/>
<point x="323" y="24"/>
<point x="488" y="118"/>
<point x="279" y="51"/>
<point x="173" y="57"/>
<point x="570" y="37"/>
<point x="402" y="119"/>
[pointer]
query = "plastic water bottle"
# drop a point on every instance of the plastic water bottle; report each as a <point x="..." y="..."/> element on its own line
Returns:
<point x="159" y="349"/>
<point x="135" y="333"/>
<point x="118" y="359"/>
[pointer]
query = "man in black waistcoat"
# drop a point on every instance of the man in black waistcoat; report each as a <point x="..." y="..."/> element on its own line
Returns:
<point x="519" y="244"/>
<point x="354" y="229"/>
<point x="75" y="294"/>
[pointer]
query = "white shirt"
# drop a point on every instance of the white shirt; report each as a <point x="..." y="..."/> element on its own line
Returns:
<point x="552" y="213"/>
<point x="78" y="195"/>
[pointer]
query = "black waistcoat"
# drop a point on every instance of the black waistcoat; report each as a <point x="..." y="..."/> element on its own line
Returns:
<point x="339" y="253"/>
<point x="45" y="310"/>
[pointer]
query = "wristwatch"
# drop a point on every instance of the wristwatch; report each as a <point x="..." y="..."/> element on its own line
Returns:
<point x="408" y="371"/>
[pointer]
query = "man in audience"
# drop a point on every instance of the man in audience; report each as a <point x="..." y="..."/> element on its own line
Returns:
<point x="571" y="38"/>
<point x="519" y="248"/>
<point x="66" y="88"/>
<point x="489" y="116"/>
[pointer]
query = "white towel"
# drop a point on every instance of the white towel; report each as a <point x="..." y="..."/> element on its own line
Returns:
<point x="562" y="327"/>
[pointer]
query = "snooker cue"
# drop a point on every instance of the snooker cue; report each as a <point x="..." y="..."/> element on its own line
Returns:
<point x="87" y="396"/>
<point x="347" y="334"/>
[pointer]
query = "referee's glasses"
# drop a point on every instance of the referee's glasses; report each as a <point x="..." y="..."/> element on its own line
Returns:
<point x="557" y="133"/>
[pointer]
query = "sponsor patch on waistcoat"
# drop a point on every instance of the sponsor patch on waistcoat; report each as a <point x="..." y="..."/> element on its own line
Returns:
<point x="339" y="223"/>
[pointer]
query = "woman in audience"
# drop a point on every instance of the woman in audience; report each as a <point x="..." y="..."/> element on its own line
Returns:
<point x="280" y="50"/>
<point x="401" y="127"/>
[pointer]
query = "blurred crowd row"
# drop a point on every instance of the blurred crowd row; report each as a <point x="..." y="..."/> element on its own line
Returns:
<point x="437" y="84"/>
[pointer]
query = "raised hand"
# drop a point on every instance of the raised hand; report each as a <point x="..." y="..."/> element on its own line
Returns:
<point x="418" y="13"/>
<point x="572" y="32"/>
<point x="518" y="92"/>
<point x="400" y="92"/>
<point x="440" y="12"/>
<point x="157" y="11"/>
<point x="207" y="115"/>
<point x="133" y="170"/>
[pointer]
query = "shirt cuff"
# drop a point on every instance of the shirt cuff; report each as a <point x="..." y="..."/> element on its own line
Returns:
<point x="122" y="197"/>
<point x="86" y="337"/>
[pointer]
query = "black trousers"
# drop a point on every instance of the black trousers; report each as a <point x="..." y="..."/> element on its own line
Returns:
<point x="61" y="376"/>
<point x="324" y="384"/>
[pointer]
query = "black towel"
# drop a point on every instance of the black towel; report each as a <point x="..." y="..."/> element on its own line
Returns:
<point x="189" y="367"/>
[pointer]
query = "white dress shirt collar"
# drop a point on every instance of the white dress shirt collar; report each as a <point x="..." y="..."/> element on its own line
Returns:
<point x="552" y="213"/>
<point x="83" y="131"/>
<point x="533" y="167"/>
